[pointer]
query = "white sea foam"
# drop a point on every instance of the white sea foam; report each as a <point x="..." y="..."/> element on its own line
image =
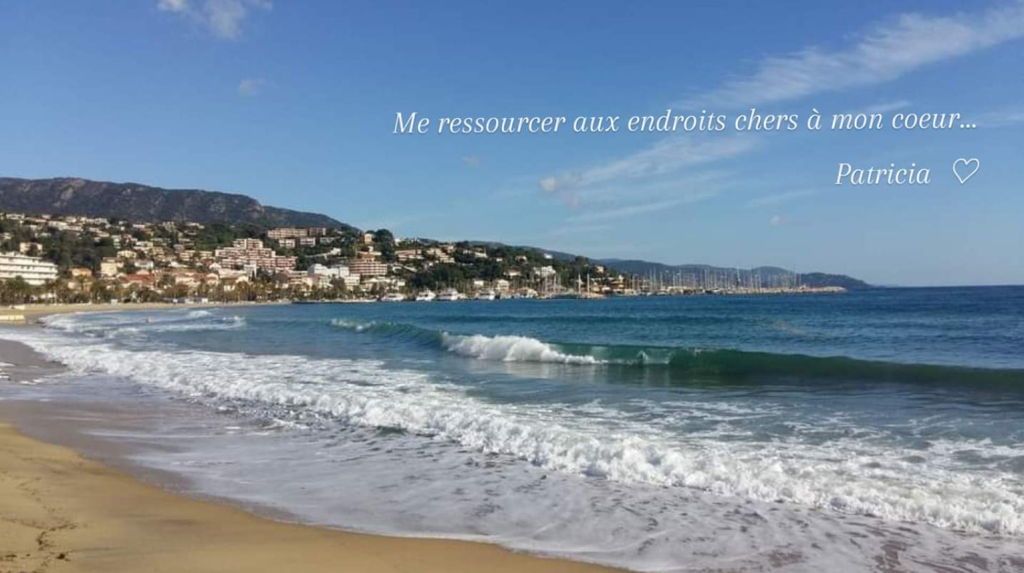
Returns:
<point x="352" y="325"/>
<point x="495" y="348"/>
<point x="512" y="349"/>
<point x="226" y="323"/>
<point x="844" y="475"/>
<point x="117" y="325"/>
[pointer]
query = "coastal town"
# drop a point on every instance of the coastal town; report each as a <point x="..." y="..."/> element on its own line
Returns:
<point x="77" y="259"/>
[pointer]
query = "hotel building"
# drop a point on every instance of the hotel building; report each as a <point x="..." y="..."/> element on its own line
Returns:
<point x="367" y="268"/>
<point x="34" y="270"/>
<point x="251" y="252"/>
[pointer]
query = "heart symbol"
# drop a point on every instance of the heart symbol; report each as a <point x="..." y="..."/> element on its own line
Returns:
<point x="964" y="165"/>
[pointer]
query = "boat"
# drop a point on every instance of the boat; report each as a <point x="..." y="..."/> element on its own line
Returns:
<point x="425" y="296"/>
<point x="393" y="297"/>
<point x="449" y="294"/>
<point x="565" y="294"/>
<point x="525" y="293"/>
<point x="487" y="294"/>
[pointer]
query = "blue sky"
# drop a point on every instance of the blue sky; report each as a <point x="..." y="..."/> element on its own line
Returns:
<point x="294" y="103"/>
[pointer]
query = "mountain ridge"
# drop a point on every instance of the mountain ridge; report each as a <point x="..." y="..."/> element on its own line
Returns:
<point x="811" y="279"/>
<point x="138" y="202"/>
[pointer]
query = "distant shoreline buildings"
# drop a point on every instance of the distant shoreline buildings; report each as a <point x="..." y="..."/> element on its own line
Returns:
<point x="72" y="258"/>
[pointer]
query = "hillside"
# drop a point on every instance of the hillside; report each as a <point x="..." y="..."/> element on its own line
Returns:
<point x="142" y="203"/>
<point x="768" y="274"/>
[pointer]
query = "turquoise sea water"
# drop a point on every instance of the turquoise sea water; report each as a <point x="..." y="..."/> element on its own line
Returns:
<point x="659" y="433"/>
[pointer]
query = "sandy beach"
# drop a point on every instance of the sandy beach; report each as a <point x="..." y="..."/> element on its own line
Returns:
<point x="62" y="512"/>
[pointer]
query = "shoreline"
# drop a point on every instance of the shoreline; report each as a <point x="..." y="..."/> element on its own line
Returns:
<point x="64" y="510"/>
<point x="31" y="313"/>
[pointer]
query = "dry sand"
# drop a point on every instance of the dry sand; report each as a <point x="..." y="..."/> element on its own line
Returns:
<point x="60" y="512"/>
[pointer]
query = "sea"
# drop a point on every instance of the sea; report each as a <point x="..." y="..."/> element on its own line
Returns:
<point x="876" y="430"/>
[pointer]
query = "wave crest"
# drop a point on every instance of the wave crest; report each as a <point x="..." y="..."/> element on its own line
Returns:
<point x="512" y="349"/>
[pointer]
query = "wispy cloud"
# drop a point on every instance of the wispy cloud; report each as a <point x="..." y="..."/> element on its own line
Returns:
<point x="576" y="229"/>
<point x="250" y="87"/>
<point x="173" y="5"/>
<point x="780" y="221"/>
<point x="472" y="160"/>
<point x="667" y="174"/>
<point x="780" y="198"/>
<point x="633" y="210"/>
<point x="222" y="18"/>
<point x="883" y="53"/>
<point x="1002" y="118"/>
<point x="666" y="158"/>
<point x="884" y="107"/>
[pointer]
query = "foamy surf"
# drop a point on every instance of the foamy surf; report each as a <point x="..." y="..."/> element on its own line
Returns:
<point x="392" y="424"/>
<point x="847" y="476"/>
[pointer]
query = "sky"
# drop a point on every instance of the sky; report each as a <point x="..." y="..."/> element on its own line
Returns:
<point x="294" y="104"/>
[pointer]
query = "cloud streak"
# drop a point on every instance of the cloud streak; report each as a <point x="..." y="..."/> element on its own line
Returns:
<point x="222" y="18"/>
<point x="1004" y="118"/>
<point x="250" y="87"/>
<point x="633" y="210"/>
<point x="665" y="158"/>
<point x="883" y="53"/>
<point x="780" y="198"/>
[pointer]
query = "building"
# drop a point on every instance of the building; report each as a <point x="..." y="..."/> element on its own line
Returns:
<point x="30" y="247"/>
<point x="251" y="252"/>
<point x="409" y="255"/>
<point x="350" y="281"/>
<point x="34" y="270"/>
<point x="138" y="280"/>
<point x="337" y="271"/>
<point x="441" y="255"/>
<point x="109" y="267"/>
<point x="367" y="268"/>
<point x="80" y="273"/>
<point x="286" y="233"/>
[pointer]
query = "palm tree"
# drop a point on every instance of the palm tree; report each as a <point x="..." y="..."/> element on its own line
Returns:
<point x="16" y="291"/>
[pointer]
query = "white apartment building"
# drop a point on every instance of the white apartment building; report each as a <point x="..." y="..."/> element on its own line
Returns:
<point x="246" y="252"/>
<point x="286" y="233"/>
<point x="34" y="270"/>
<point x="338" y="272"/>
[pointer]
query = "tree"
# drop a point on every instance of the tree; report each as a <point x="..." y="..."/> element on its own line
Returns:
<point x="16" y="291"/>
<point x="384" y="240"/>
